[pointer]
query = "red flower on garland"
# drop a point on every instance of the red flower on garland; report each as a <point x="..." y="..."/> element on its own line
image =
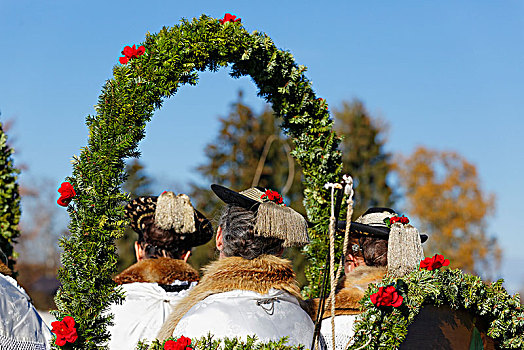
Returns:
<point x="272" y="196"/>
<point x="131" y="52"/>
<point x="65" y="331"/>
<point x="229" y="18"/>
<point x="181" y="343"/>
<point x="433" y="263"/>
<point x="386" y="296"/>
<point x="67" y="192"/>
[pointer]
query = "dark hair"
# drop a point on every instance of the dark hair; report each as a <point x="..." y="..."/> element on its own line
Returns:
<point x="238" y="235"/>
<point x="373" y="250"/>
<point x="158" y="242"/>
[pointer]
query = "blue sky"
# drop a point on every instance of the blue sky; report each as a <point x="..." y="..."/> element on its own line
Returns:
<point x="447" y="75"/>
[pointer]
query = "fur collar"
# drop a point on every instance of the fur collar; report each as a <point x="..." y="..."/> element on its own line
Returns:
<point x="160" y="270"/>
<point x="350" y="291"/>
<point x="235" y="273"/>
<point x="4" y="270"/>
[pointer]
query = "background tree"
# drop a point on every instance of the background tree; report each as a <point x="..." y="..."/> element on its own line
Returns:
<point x="442" y="191"/>
<point x="363" y="156"/>
<point x="138" y="184"/>
<point x="9" y="203"/>
<point x="248" y="150"/>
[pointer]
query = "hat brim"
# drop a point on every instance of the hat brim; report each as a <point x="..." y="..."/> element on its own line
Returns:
<point x="372" y="231"/>
<point x="229" y="196"/>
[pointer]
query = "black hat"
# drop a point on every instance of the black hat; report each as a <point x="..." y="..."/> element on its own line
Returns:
<point x="273" y="218"/>
<point x="173" y="213"/>
<point x="372" y="224"/>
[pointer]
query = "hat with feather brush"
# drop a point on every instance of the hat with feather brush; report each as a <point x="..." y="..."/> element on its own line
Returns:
<point x="173" y="213"/>
<point x="273" y="217"/>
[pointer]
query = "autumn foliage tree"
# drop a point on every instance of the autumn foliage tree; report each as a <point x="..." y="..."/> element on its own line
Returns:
<point x="443" y="192"/>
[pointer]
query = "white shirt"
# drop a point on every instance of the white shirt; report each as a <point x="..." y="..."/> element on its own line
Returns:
<point x="20" y="325"/>
<point x="142" y="314"/>
<point x="240" y="313"/>
<point x="343" y="331"/>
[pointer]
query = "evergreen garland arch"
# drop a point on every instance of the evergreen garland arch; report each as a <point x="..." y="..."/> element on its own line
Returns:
<point x="171" y="58"/>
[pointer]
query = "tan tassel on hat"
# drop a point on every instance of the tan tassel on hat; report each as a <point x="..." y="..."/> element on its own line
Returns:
<point x="404" y="250"/>
<point x="281" y="222"/>
<point x="175" y="212"/>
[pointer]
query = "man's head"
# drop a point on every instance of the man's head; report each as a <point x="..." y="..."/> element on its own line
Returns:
<point x="167" y="226"/>
<point x="155" y="242"/>
<point x="256" y="222"/>
<point x="368" y="240"/>
<point x="236" y="235"/>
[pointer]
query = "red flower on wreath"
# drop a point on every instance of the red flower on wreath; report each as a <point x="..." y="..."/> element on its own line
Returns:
<point x="387" y="296"/>
<point x="272" y="196"/>
<point x="67" y="192"/>
<point x="131" y="52"/>
<point x="65" y="331"/>
<point x="181" y="343"/>
<point x="433" y="263"/>
<point x="229" y="18"/>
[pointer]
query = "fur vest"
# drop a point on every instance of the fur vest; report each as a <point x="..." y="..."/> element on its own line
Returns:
<point x="259" y="275"/>
<point x="4" y="270"/>
<point x="350" y="291"/>
<point x="161" y="270"/>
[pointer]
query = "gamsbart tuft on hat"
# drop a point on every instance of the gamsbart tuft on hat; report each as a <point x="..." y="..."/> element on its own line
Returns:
<point x="273" y="218"/>
<point x="173" y="213"/>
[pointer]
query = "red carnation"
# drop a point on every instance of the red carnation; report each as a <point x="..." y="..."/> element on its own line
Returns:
<point x="65" y="331"/>
<point x="435" y="262"/>
<point x="386" y="296"/>
<point x="403" y="220"/>
<point x="67" y="192"/>
<point x="131" y="52"/>
<point x="272" y="196"/>
<point x="229" y="18"/>
<point x="181" y="343"/>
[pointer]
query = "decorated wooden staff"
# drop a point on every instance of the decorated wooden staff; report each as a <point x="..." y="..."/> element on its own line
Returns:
<point x="347" y="185"/>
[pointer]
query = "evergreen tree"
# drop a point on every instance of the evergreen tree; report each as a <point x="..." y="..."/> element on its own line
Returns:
<point x="363" y="156"/>
<point x="138" y="183"/>
<point x="9" y="203"/>
<point x="248" y="146"/>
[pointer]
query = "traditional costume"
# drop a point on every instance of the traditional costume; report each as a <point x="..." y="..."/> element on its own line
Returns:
<point x="153" y="286"/>
<point x="352" y="287"/>
<point x="238" y="297"/>
<point x="20" y="325"/>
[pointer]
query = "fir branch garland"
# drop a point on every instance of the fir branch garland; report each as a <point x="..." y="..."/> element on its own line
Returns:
<point x="171" y="58"/>
<point x="9" y="203"/>
<point x="387" y="329"/>
<point x="209" y="342"/>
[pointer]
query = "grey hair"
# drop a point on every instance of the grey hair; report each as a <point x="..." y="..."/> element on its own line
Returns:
<point x="238" y="235"/>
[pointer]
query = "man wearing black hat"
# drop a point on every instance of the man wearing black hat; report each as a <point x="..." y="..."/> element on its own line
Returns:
<point x="250" y="290"/>
<point x="366" y="262"/>
<point x="168" y="227"/>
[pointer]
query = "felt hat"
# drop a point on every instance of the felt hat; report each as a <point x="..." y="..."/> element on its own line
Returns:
<point x="173" y="213"/>
<point x="373" y="223"/>
<point x="273" y="217"/>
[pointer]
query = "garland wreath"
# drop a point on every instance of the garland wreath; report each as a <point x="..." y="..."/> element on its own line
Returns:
<point x="148" y="74"/>
<point x="391" y="307"/>
<point x="9" y="203"/>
